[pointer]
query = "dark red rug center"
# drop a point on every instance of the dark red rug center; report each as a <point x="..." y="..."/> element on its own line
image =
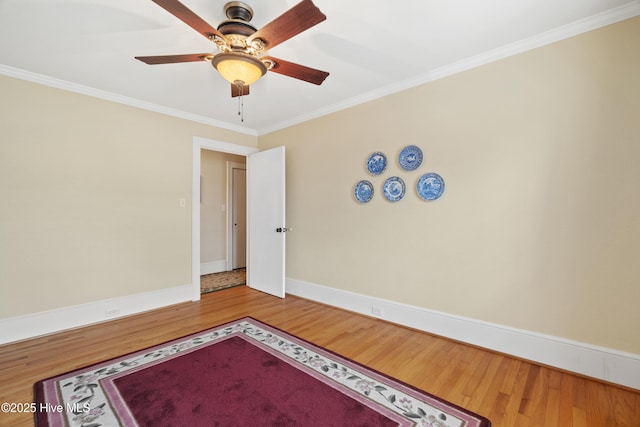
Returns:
<point x="235" y="383"/>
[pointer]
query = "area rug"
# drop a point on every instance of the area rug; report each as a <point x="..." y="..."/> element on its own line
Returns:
<point x="243" y="373"/>
<point x="223" y="280"/>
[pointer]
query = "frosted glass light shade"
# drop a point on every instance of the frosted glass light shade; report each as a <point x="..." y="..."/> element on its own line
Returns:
<point x="239" y="68"/>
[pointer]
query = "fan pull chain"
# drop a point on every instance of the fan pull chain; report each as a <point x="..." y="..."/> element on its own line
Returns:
<point x="240" y="103"/>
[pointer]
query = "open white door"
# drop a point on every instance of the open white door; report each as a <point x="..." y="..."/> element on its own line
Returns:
<point x="266" y="219"/>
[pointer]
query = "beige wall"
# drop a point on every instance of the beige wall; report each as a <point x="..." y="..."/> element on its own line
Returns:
<point x="213" y="219"/>
<point x="539" y="225"/>
<point x="89" y="198"/>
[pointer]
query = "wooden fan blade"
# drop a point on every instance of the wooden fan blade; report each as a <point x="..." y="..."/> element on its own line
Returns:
<point x="239" y="90"/>
<point x="296" y="71"/>
<point x="299" y="18"/>
<point x="187" y="16"/>
<point x="172" y="59"/>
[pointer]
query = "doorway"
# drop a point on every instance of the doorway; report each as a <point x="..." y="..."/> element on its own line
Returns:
<point x="200" y="144"/>
<point x="265" y="215"/>
<point x="222" y="221"/>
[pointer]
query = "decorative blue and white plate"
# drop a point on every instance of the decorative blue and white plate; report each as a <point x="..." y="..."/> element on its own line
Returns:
<point x="410" y="158"/>
<point x="430" y="186"/>
<point x="394" y="189"/>
<point x="377" y="163"/>
<point x="363" y="191"/>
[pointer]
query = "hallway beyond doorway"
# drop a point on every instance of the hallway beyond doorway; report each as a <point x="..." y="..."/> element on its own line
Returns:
<point x="226" y="279"/>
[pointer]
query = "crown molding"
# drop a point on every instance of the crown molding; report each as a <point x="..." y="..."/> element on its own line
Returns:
<point x="120" y="99"/>
<point x="581" y="26"/>
<point x="627" y="11"/>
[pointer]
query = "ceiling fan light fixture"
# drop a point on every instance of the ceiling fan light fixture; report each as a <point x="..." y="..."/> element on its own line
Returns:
<point x="239" y="68"/>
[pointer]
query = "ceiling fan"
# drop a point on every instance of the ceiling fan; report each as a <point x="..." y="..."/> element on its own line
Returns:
<point x="241" y="60"/>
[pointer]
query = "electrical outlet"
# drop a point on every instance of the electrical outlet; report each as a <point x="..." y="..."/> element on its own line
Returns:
<point x="376" y="311"/>
<point x="111" y="312"/>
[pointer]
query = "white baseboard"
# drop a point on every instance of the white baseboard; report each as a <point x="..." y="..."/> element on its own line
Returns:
<point x="597" y="362"/>
<point x="213" y="267"/>
<point x="46" y="322"/>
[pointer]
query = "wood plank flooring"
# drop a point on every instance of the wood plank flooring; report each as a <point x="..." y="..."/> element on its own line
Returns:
<point x="508" y="391"/>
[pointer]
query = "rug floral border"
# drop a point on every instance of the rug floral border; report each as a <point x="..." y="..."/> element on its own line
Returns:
<point x="88" y="398"/>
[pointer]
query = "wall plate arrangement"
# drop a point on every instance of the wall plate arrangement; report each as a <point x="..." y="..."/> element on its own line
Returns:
<point x="429" y="186"/>
<point x="363" y="191"/>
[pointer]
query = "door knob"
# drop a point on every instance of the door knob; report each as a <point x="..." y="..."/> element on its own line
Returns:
<point x="282" y="229"/>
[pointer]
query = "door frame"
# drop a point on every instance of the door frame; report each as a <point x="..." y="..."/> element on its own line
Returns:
<point x="230" y="214"/>
<point x="200" y="143"/>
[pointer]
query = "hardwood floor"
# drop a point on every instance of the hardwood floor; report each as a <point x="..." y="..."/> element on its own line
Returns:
<point x="508" y="391"/>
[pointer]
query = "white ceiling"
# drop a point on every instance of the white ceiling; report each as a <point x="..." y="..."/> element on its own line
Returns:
<point x="371" y="48"/>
